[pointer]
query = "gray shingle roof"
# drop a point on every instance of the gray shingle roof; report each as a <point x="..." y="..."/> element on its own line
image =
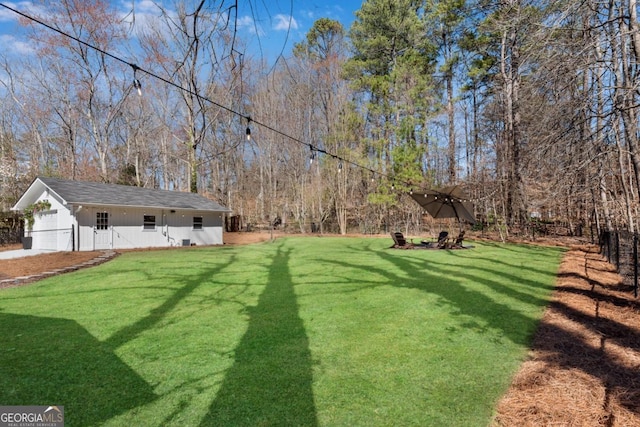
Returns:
<point x="94" y="193"/>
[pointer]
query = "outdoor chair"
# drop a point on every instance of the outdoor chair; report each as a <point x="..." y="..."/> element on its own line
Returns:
<point x="399" y="241"/>
<point x="442" y="239"/>
<point x="457" y="242"/>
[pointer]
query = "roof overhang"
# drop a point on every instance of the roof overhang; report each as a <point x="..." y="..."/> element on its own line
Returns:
<point x="32" y="194"/>
<point x="133" y="206"/>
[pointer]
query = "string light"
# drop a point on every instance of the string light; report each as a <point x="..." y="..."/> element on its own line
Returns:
<point x="138" y="86"/>
<point x="136" y="83"/>
<point x="312" y="156"/>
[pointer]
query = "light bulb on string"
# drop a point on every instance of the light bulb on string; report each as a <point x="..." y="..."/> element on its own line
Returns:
<point x="340" y="165"/>
<point x="138" y="86"/>
<point x="312" y="156"/>
<point x="136" y="83"/>
<point x="248" y="131"/>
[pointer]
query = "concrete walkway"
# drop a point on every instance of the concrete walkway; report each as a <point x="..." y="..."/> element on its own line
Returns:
<point x="19" y="253"/>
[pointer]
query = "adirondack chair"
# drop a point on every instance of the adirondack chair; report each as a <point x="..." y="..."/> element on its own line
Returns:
<point x="442" y="239"/>
<point x="457" y="243"/>
<point x="399" y="241"/>
<point x="459" y="239"/>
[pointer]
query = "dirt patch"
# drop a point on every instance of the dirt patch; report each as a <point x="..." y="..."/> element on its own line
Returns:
<point x="244" y="238"/>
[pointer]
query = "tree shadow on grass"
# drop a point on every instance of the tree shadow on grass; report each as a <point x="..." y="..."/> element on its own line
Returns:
<point x="558" y="342"/>
<point x="157" y="314"/>
<point x="49" y="361"/>
<point x="447" y="283"/>
<point x="57" y="361"/>
<point x="270" y="382"/>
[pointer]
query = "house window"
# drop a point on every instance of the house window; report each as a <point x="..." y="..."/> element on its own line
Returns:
<point x="149" y="222"/>
<point x="102" y="220"/>
<point x="197" y="223"/>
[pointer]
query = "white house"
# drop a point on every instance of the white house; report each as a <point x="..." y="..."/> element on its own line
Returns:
<point x="87" y="216"/>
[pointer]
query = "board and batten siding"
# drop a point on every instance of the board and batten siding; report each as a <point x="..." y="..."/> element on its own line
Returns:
<point x="125" y="229"/>
<point x="180" y="228"/>
<point x="52" y="229"/>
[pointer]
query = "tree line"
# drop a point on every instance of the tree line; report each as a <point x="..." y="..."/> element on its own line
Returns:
<point x="531" y="106"/>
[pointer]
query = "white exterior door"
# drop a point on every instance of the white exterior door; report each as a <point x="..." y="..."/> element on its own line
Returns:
<point x="102" y="231"/>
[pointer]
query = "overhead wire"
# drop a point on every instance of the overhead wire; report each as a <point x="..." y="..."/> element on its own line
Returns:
<point x="248" y="118"/>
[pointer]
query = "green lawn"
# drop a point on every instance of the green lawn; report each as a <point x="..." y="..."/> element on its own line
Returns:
<point x="298" y="332"/>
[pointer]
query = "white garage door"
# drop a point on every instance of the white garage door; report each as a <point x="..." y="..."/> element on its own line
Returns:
<point x="46" y="237"/>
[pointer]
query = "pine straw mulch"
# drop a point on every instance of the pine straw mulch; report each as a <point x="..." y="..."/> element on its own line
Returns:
<point x="584" y="365"/>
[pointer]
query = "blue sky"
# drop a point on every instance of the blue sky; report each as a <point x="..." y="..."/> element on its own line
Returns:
<point x="285" y="22"/>
<point x="270" y="26"/>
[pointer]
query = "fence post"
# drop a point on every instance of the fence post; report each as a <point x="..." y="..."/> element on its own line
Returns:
<point x="617" y="235"/>
<point x="635" y="265"/>
<point x="607" y="244"/>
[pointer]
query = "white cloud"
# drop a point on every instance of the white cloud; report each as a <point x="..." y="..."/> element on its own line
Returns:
<point x="140" y="6"/>
<point x="27" y="7"/>
<point x="252" y="27"/>
<point x="147" y="6"/>
<point x="144" y="14"/>
<point x="7" y="15"/>
<point x="12" y="45"/>
<point x="285" y="23"/>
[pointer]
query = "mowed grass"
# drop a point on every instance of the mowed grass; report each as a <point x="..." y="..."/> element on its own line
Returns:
<point x="298" y="332"/>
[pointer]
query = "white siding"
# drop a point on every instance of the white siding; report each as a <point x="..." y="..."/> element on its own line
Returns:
<point x="65" y="232"/>
<point x="66" y="228"/>
<point x="126" y="230"/>
<point x="52" y="228"/>
<point x="85" y="221"/>
<point x="180" y="228"/>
